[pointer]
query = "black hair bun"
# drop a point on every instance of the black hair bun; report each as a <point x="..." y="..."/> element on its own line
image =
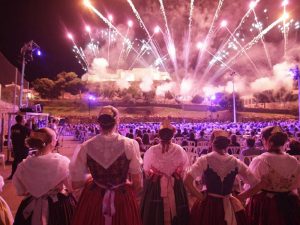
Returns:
<point x="221" y="142"/>
<point x="106" y="121"/>
<point x="35" y="143"/>
<point x="166" y="134"/>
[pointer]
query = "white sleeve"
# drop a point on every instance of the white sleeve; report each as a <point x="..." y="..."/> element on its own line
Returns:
<point x="245" y="173"/>
<point x="132" y="152"/>
<point x="148" y="159"/>
<point x="185" y="160"/>
<point x="198" y="167"/>
<point x="1" y="183"/>
<point x="78" y="167"/>
<point x="17" y="181"/>
<point x="258" y="167"/>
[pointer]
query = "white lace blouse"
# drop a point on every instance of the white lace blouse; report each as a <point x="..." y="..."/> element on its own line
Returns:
<point x="222" y="165"/>
<point x="37" y="175"/>
<point x="105" y="150"/>
<point x="167" y="162"/>
<point x="281" y="171"/>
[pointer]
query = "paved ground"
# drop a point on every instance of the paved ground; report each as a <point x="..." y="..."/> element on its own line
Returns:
<point x="9" y="192"/>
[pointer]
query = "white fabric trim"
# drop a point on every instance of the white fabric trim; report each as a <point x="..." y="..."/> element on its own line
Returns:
<point x="167" y="162"/>
<point x="37" y="175"/>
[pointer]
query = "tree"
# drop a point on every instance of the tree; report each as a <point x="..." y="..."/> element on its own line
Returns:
<point x="169" y="95"/>
<point x="197" y="99"/>
<point x="46" y="88"/>
<point x="264" y="97"/>
<point x="226" y="101"/>
<point x="69" y="82"/>
<point x="149" y="96"/>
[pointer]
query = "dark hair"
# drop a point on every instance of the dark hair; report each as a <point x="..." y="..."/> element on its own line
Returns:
<point x="277" y="139"/>
<point x="250" y="142"/>
<point x="41" y="141"/>
<point x="201" y="133"/>
<point x="166" y="134"/>
<point x="106" y="122"/>
<point x="19" y="118"/>
<point x="146" y="139"/>
<point x="294" y="145"/>
<point x="220" y="142"/>
<point x="233" y="139"/>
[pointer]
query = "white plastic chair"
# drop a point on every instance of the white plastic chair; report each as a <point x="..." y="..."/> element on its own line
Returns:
<point x="235" y="150"/>
<point x="191" y="143"/>
<point x="203" y="143"/>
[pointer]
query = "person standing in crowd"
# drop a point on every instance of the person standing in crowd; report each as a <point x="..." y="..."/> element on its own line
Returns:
<point x="102" y="166"/>
<point x="276" y="204"/>
<point x="251" y="149"/>
<point x="18" y="135"/>
<point x="294" y="148"/>
<point x="6" y="218"/>
<point x="164" y="200"/>
<point x="43" y="180"/>
<point x="218" y="170"/>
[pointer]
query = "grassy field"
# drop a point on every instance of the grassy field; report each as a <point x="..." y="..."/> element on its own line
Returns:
<point x="158" y="112"/>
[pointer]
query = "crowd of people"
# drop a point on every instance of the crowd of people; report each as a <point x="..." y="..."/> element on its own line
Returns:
<point x="159" y="174"/>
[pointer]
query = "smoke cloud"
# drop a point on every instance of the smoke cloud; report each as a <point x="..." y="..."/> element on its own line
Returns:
<point x="123" y="65"/>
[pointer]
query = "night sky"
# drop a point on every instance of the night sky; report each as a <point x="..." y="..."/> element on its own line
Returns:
<point x="46" y="22"/>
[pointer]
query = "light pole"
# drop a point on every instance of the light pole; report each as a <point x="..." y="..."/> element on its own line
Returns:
<point x="91" y="98"/>
<point x="26" y="52"/>
<point x="233" y="97"/>
<point x="297" y="77"/>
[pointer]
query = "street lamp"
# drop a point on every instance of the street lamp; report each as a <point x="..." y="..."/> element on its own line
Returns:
<point x="296" y="73"/>
<point x="233" y="97"/>
<point x="91" y="98"/>
<point x="26" y="52"/>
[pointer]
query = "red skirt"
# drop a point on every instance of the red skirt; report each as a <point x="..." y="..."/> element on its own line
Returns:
<point x="211" y="212"/>
<point x="268" y="208"/>
<point x="89" y="208"/>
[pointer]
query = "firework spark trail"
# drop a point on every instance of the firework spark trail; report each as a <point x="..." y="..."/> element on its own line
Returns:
<point x="236" y="41"/>
<point x="262" y="41"/>
<point x="108" y="45"/>
<point x="187" y="46"/>
<point x="79" y="51"/>
<point x="221" y="61"/>
<point x="143" y="51"/>
<point x="110" y="25"/>
<point x="162" y="9"/>
<point x="285" y="31"/>
<point x="253" y="41"/>
<point x="209" y="34"/>
<point x="123" y="46"/>
<point x="168" y="38"/>
<point x="142" y="24"/>
<point x="227" y="41"/>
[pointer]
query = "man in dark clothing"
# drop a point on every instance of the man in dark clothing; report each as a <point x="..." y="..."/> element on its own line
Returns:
<point x="18" y="135"/>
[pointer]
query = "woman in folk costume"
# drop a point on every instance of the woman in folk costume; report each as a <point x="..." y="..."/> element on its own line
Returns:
<point x="164" y="199"/>
<point x="216" y="206"/>
<point x="6" y="217"/>
<point x="43" y="179"/>
<point x="276" y="204"/>
<point x="102" y="165"/>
